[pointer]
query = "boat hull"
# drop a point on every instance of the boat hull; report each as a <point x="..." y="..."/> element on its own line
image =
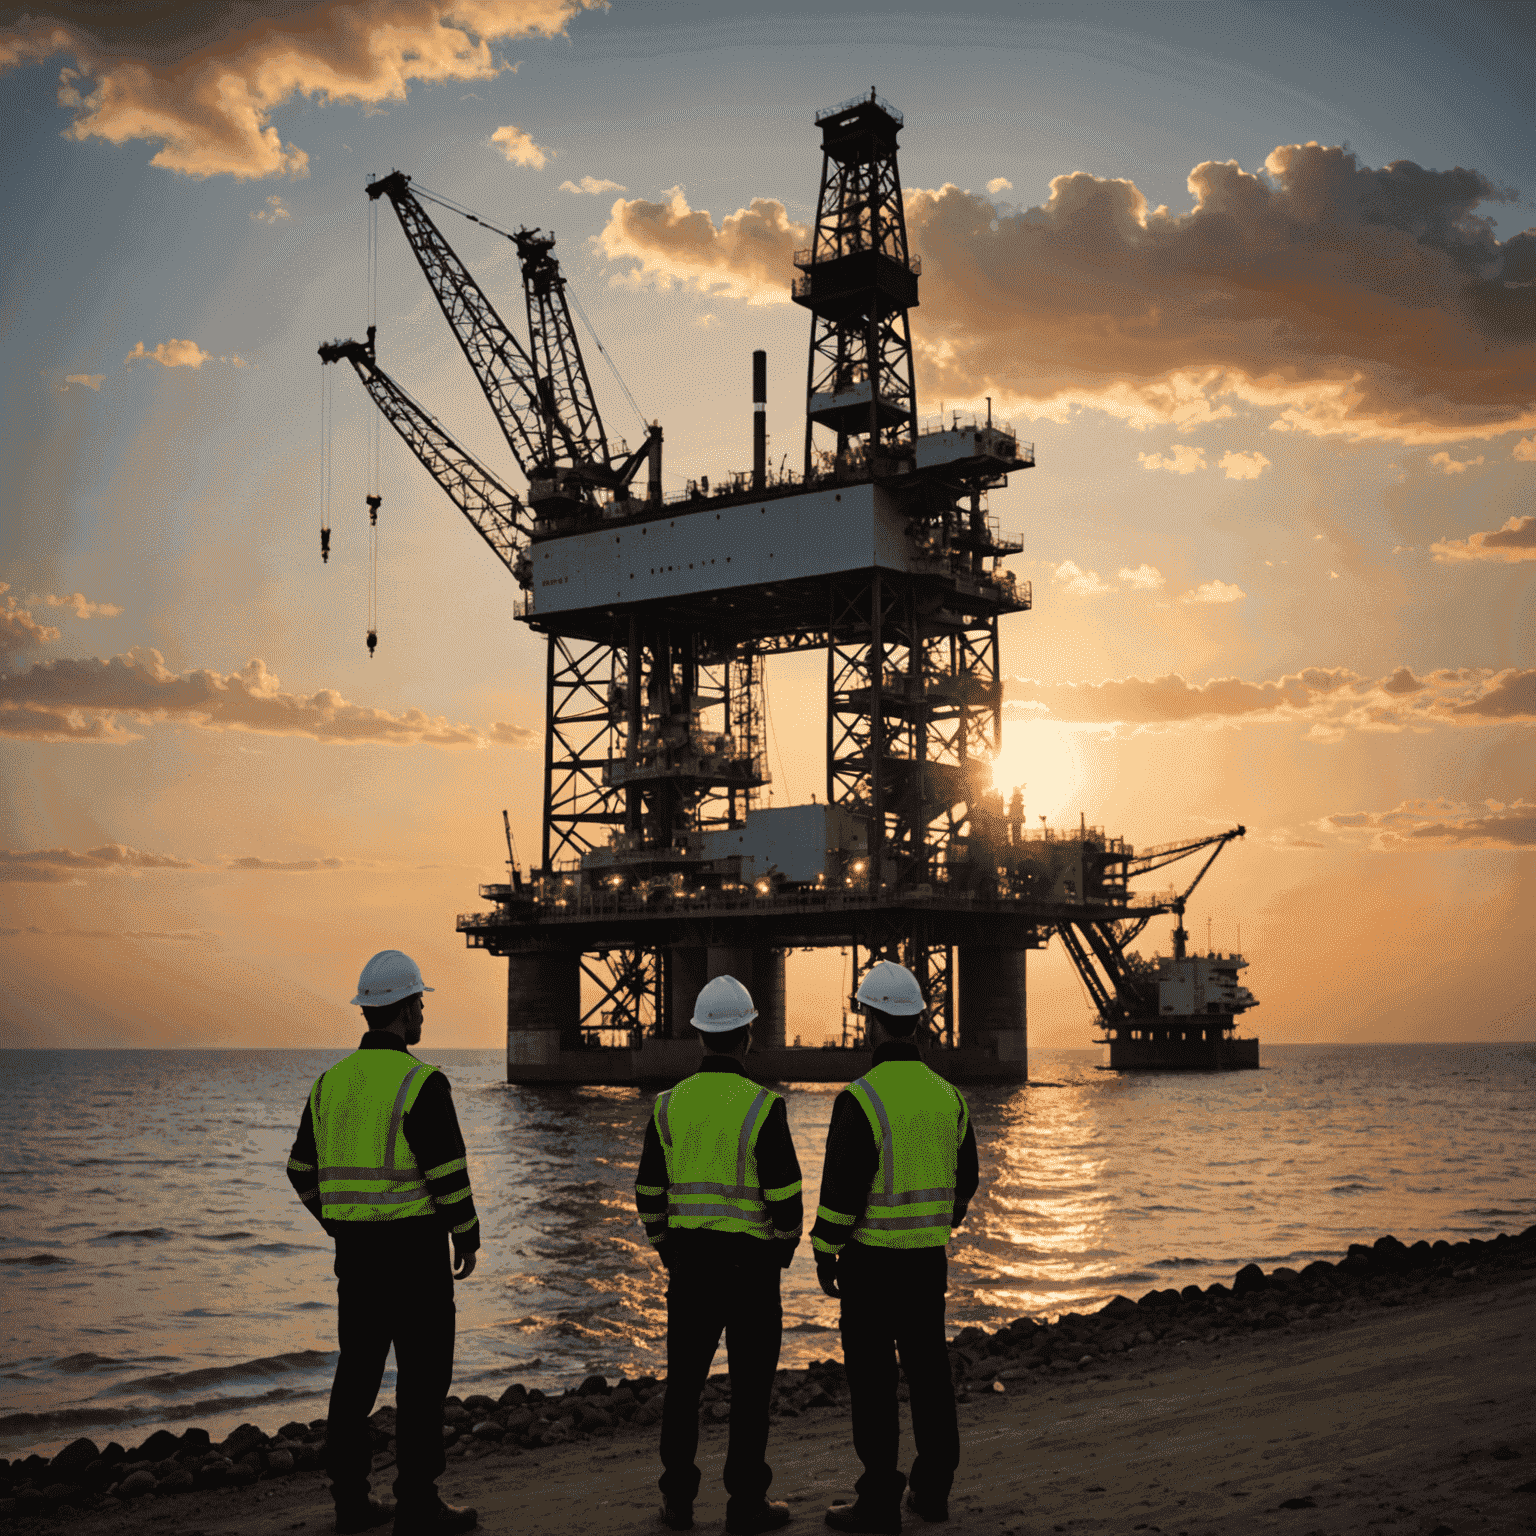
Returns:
<point x="1172" y="1049"/>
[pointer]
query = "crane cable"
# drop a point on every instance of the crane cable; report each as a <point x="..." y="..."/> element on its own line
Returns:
<point x="374" y="500"/>
<point x="326" y="400"/>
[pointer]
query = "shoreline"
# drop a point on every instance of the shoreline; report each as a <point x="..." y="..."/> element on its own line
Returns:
<point x="1127" y="1365"/>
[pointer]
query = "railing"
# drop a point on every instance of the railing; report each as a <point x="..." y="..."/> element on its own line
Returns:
<point x="806" y="257"/>
<point x="960" y="421"/>
<point x="859" y="101"/>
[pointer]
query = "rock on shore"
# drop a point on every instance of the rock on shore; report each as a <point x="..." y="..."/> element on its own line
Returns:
<point x="86" y="1477"/>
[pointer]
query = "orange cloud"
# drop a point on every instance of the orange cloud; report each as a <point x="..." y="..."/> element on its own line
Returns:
<point x="750" y="256"/>
<point x="49" y="866"/>
<point x="172" y="354"/>
<point x="1525" y="450"/>
<point x="1449" y="466"/>
<point x="188" y="935"/>
<point x="80" y="699"/>
<point x="1514" y="542"/>
<point x="1329" y="700"/>
<point x="79" y="603"/>
<point x="202" y="86"/>
<point x="275" y="212"/>
<point x="91" y="381"/>
<point x="292" y="866"/>
<point x="1349" y="301"/>
<point x="1215" y="592"/>
<point x="592" y="186"/>
<point x="1243" y="466"/>
<point x="19" y="631"/>
<point x="518" y="147"/>
<point x="1430" y="824"/>
<point x="1181" y="459"/>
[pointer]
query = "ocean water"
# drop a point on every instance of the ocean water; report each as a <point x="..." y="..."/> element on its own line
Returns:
<point x="156" y="1267"/>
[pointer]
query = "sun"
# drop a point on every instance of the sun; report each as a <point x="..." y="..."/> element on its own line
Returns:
<point x="1048" y="760"/>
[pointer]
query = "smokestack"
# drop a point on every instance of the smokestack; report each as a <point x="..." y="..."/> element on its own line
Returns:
<point x="759" y="419"/>
<point x="653" y="490"/>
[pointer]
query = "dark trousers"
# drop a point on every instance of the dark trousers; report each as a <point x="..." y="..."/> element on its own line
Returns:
<point x="706" y="1297"/>
<point x="891" y="1307"/>
<point x="400" y="1295"/>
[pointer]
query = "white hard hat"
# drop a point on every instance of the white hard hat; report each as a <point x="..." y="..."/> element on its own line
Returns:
<point x="388" y="977"/>
<point x="723" y="1004"/>
<point x="891" y="988"/>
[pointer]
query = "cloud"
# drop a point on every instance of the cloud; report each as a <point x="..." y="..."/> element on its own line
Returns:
<point x="1181" y="459"/>
<point x="1214" y="592"/>
<point x="275" y="211"/>
<point x="1079" y="583"/>
<point x="592" y="185"/>
<point x="293" y="866"/>
<point x="187" y="935"/>
<point x="999" y="184"/>
<point x="1141" y="578"/>
<point x="50" y="866"/>
<point x="1243" y="466"/>
<point x="80" y="700"/>
<point x="1329" y="700"/>
<point x="1525" y="450"/>
<point x="518" y="147"/>
<point x="79" y="603"/>
<point x="1352" y="301"/>
<point x="1422" y="825"/>
<point x="1449" y="466"/>
<point x="509" y="735"/>
<point x="19" y="631"/>
<point x="172" y="354"/>
<point x="89" y="380"/>
<point x="1514" y="542"/>
<point x="203" y="81"/>
<point x="750" y="256"/>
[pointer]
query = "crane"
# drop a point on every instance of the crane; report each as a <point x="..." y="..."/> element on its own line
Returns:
<point x="1098" y="949"/>
<point x="541" y="394"/>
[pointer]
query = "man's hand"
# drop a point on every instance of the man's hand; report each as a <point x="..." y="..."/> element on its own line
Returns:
<point x="826" y="1273"/>
<point x="463" y="1265"/>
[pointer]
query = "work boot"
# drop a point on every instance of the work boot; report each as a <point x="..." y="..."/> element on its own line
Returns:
<point x="768" y="1516"/>
<point x="676" y="1517"/>
<point x="934" y="1511"/>
<point x="445" y="1520"/>
<point x="866" y="1518"/>
<point x="364" y="1517"/>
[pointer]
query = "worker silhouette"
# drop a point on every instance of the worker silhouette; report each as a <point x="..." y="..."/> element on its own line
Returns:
<point x="900" y="1170"/>
<point x="718" y="1192"/>
<point x="380" y="1162"/>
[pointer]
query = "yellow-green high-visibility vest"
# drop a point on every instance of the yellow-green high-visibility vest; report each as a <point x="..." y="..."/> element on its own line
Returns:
<point x="367" y="1169"/>
<point x="709" y="1126"/>
<point x="918" y="1121"/>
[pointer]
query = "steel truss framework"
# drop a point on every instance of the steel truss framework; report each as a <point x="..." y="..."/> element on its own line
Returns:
<point x="859" y="283"/>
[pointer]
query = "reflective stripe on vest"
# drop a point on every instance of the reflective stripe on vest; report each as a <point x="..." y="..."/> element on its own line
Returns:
<point x="367" y="1169"/>
<point x="709" y="1126"/>
<point x="919" y="1121"/>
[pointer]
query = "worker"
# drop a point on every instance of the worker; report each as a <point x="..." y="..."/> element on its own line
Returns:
<point x="718" y="1192"/>
<point x="900" y="1170"/>
<point x="380" y="1162"/>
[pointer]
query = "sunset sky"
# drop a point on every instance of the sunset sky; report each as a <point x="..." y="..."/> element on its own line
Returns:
<point x="1259" y="281"/>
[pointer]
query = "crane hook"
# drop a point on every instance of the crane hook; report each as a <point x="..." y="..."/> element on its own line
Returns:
<point x="325" y="546"/>
<point x="373" y="640"/>
<point x="374" y="503"/>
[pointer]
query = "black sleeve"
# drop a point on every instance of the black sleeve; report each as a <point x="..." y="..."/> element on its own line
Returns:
<point x="651" y="1185"/>
<point x="967" y="1174"/>
<point x="778" y="1170"/>
<point x="303" y="1172"/>
<point x="432" y="1133"/>
<point x="846" y="1175"/>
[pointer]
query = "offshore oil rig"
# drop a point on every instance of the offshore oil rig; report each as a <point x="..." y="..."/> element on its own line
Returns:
<point x="660" y="865"/>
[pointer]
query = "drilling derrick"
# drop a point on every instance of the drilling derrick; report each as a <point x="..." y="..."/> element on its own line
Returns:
<point x="660" y="867"/>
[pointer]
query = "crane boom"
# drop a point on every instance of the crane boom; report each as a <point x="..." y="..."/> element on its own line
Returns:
<point x="504" y="369"/>
<point x="557" y="358"/>
<point x="495" y="512"/>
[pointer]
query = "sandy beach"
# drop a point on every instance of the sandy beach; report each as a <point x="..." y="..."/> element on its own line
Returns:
<point x="1340" y="1400"/>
